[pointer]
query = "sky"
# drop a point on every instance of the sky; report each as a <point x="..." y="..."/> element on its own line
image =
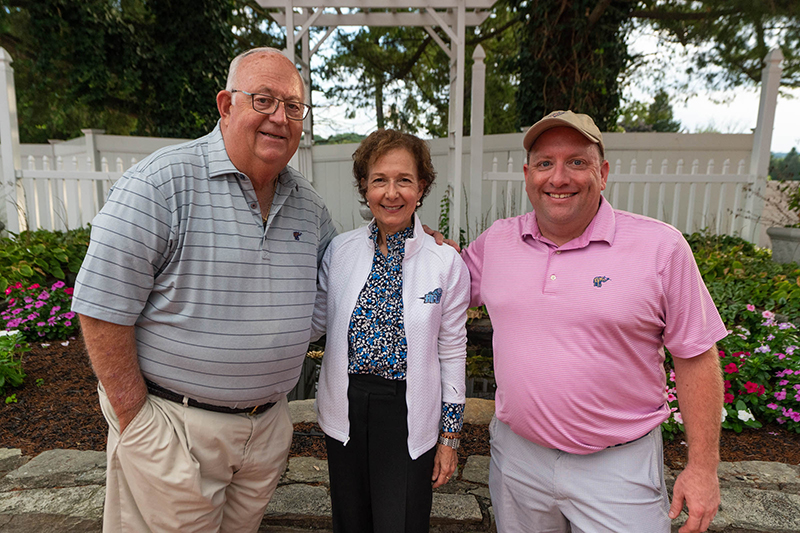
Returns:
<point x="733" y="111"/>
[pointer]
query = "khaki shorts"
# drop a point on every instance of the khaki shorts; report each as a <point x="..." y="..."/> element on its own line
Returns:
<point x="183" y="469"/>
<point x="617" y="490"/>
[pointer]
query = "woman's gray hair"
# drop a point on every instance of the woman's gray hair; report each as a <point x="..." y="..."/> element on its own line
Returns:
<point x="266" y="50"/>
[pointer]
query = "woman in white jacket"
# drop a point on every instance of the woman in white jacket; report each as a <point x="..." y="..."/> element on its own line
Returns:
<point x="391" y="387"/>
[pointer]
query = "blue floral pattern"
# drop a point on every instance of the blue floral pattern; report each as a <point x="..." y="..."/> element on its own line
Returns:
<point x="377" y="337"/>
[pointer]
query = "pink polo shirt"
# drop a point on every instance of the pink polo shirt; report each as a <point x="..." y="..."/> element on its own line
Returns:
<point x="579" y="330"/>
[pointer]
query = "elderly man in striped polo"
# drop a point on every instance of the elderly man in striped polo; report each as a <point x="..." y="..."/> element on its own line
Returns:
<point x="195" y="299"/>
<point x="583" y="300"/>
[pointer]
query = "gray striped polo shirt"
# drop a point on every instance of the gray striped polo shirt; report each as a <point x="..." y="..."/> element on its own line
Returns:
<point x="222" y="307"/>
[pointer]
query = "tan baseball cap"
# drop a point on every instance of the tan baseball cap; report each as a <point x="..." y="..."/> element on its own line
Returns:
<point x="582" y="123"/>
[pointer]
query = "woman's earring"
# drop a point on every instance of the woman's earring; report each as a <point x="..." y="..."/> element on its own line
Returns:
<point x="419" y="204"/>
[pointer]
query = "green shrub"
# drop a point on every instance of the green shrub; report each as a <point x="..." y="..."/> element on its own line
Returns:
<point x="42" y="256"/>
<point x="12" y="346"/>
<point x="737" y="273"/>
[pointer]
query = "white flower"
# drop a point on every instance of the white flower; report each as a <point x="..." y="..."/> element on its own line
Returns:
<point x="66" y="343"/>
<point x="724" y="414"/>
<point x="744" y="416"/>
<point x="9" y="332"/>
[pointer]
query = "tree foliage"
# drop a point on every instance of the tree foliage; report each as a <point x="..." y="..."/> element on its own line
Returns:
<point x="404" y="75"/>
<point x="144" y="67"/>
<point x="655" y="116"/>
<point x="571" y="54"/>
<point x="785" y="168"/>
<point x="730" y="38"/>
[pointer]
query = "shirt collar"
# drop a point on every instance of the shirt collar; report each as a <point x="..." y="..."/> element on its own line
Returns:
<point x="395" y="242"/>
<point x="601" y="228"/>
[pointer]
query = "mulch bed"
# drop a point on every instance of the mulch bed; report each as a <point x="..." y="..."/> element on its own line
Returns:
<point x="57" y="408"/>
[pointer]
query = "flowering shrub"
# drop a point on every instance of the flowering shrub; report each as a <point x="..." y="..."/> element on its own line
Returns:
<point x="40" y="313"/>
<point x="760" y="363"/>
<point x="12" y="346"/>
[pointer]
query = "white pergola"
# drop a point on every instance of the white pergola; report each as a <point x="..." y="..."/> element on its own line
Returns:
<point x="452" y="16"/>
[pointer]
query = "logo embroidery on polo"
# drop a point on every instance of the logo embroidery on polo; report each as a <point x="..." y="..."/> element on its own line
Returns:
<point x="297" y="234"/>
<point x="433" y="297"/>
<point x="599" y="280"/>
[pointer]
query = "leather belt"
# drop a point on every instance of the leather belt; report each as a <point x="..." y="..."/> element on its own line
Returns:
<point x="161" y="392"/>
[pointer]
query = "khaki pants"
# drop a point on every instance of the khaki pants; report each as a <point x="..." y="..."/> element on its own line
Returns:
<point x="183" y="469"/>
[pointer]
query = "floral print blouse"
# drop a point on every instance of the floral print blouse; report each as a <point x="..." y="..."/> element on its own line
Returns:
<point x="377" y="336"/>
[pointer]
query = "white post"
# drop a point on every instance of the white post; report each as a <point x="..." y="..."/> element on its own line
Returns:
<point x="12" y="207"/>
<point x="762" y="140"/>
<point x="457" y="118"/>
<point x="476" y="135"/>
<point x="306" y="166"/>
<point x="93" y="154"/>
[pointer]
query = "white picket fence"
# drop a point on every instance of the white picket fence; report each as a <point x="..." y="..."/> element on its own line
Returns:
<point x="63" y="192"/>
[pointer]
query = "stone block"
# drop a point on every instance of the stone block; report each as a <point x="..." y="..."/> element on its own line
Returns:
<point x="478" y="411"/>
<point x="71" y="509"/>
<point x="10" y="459"/>
<point x="761" y="475"/>
<point x="477" y="469"/>
<point x="461" y="508"/>
<point x="58" y="468"/>
<point x="302" y="411"/>
<point x="306" y="470"/>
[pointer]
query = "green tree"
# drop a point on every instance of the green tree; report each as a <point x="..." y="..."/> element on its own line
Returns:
<point x="655" y="116"/>
<point x="571" y="54"/>
<point x="785" y="168"/>
<point x="146" y="67"/>
<point x="404" y="75"/>
<point x="730" y="38"/>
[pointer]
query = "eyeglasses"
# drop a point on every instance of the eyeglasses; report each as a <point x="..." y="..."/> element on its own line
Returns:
<point x="267" y="105"/>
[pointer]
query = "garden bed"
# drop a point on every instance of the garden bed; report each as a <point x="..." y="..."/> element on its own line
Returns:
<point x="57" y="408"/>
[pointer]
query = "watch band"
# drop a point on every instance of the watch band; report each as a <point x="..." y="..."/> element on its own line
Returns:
<point x="453" y="443"/>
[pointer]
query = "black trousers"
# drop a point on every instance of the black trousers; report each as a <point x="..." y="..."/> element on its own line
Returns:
<point x="375" y="485"/>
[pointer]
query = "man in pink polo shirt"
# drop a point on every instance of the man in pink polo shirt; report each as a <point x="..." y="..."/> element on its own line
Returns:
<point x="583" y="299"/>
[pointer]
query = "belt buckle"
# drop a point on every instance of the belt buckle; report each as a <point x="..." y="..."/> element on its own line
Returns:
<point x="253" y="412"/>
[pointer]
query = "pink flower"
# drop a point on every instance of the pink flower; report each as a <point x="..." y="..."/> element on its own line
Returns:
<point x="751" y="307"/>
<point x="721" y="354"/>
<point x="780" y="395"/>
<point x="781" y="356"/>
<point x="57" y="285"/>
<point x="44" y="296"/>
<point x="67" y="323"/>
<point x="731" y="368"/>
<point x="727" y="384"/>
<point x="671" y="397"/>
<point x="69" y="315"/>
<point x="678" y="418"/>
<point x="783" y="382"/>
<point x="34" y="286"/>
<point x="768" y="314"/>
<point x="772" y="406"/>
<point x="728" y="397"/>
<point x="69" y="290"/>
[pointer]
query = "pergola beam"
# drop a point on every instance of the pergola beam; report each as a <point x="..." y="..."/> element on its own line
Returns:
<point x="383" y="4"/>
<point x="383" y="19"/>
